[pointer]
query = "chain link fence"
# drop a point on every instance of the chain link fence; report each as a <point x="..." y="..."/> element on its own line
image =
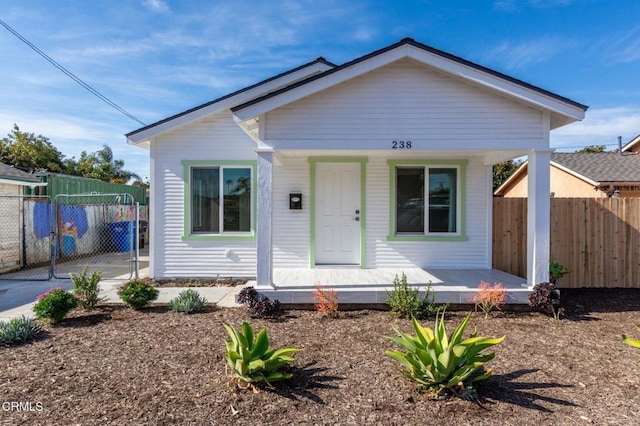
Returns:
<point x="98" y="231"/>
<point x="25" y="237"/>
<point x="42" y="238"/>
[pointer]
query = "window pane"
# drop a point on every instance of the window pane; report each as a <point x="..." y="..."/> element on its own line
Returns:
<point x="205" y="200"/>
<point x="442" y="200"/>
<point x="237" y="200"/>
<point x="410" y="199"/>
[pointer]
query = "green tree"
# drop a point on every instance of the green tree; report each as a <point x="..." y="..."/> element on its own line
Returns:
<point x="101" y="165"/>
<point x="502" y="172"/>
<point x="30" y="152"/>
<point x="593" y="149"/>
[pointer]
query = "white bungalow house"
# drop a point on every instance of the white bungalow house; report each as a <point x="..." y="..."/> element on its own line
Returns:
<point x="348" y="175"/>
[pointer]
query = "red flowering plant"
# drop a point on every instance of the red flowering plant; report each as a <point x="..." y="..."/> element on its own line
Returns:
<point x="489" y="297"/>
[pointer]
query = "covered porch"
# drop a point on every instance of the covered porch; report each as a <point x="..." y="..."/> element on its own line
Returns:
<point x="370" y="286"/>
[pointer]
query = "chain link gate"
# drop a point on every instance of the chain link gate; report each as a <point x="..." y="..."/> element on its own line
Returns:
<point x="95" y="230"/>
<point x="25" y="237"/>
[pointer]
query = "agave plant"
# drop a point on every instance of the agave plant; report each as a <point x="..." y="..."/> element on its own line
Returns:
<point x="631" y="342"/>
<point x="444" y="364"/>
<point x="250" y="358"/>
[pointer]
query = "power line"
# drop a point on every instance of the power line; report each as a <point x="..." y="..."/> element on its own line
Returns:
<point x="71" y="75"/>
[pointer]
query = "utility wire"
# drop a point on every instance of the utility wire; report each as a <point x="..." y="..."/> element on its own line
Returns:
<point x="71" y="75"/>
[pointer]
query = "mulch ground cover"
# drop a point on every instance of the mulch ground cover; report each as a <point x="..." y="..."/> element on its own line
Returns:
<point x="117" y="366"/>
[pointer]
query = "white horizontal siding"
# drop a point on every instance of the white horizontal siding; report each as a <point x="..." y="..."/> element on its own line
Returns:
<point x="212" y="138"/>
<point x="291" y="228"/>
<point x="408" y="101"/>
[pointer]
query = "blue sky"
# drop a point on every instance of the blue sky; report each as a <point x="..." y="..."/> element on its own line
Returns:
<point x="156" y="58"/>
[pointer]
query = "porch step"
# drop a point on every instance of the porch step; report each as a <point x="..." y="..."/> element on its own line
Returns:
<point x="371" y="295"/>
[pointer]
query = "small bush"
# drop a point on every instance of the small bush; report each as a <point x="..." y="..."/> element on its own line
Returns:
<point x="247" y="295"/>
<point x="137" y="294"/>
<point x="54" y="305"/>
<point x="326" y="301"/>
<point x="258" y="306"/>
<point x="489" y="297"/>
<point x="405" y="302"/>
<point x="546" y="298"/>
<point x="19" y="330"/>
<point x="443" y="365"/>
<point x="86" y="288"/>
<point x="251" y="360"/>
<point x="189" y="302"/>
<point x="557" y="271"/>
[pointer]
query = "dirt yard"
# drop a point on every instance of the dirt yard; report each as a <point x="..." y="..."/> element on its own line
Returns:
<point x="154" y="367"/>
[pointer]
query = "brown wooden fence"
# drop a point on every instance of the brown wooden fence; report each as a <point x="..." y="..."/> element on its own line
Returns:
<point x="598" y="239"/>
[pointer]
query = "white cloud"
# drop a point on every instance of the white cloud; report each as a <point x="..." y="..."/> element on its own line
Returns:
<point x="601" y="126"/>
<point x="156" y="5"/>
<point x="523" y="54"/>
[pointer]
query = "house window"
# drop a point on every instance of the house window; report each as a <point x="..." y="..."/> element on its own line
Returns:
<point x="426" y="199"/>
<point x="220" y="200"/>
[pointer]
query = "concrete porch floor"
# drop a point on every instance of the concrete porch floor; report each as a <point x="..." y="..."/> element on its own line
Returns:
<point x="370" y="286"/>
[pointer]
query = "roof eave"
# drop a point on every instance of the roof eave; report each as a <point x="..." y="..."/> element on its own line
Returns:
<point x="565" y="110"/>
<point x="143" y="135"/>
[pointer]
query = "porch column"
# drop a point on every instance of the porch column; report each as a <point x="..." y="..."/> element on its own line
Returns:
<point x="264" y="247"/>
<point x="538" y="217"/>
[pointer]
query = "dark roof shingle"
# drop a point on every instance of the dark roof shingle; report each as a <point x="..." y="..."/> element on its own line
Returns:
<point x="601" y="167"/>
<point x="11" y="173"/>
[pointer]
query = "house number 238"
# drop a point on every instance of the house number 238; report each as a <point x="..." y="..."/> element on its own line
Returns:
<point x="401" y="145"/>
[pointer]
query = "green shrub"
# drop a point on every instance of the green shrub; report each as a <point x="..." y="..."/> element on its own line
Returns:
<point x="405" y="302"/>
<point x="86" y="288"/>
<point x="444" y="364"/>
<point x="18" y="330"/>
<point x="631" y="342"/>
<point x="188" y="301"/>
<point x="54" y="305"/>
<point x="137" y="294"/>
<point x="251" y="360"/>
<point x="557" y="271"/>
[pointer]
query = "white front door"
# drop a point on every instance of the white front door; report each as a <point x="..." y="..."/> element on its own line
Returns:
<point x="337" y="213"/>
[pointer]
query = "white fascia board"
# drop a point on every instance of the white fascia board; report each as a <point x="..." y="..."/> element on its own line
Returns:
<point x="631" y="143"/>
<point x="514" y="176"/>
<point x="320" y="84"/>
<point x="22" y="183"/>
<point x="244" y="96"/>
<point x="496" y="83"/>
<point x="570" y="113"/>
<point x="574" y="174"/>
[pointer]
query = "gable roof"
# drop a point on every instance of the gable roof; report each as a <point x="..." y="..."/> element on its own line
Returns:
<point x="317" y="75"/>
<point x="11" y="175"/>
<point x="629" y="147"/>
<point x="563" y="109"/>
<point x="600" y="167"/>
<point x="593" y="168"/>
<point x="318" y="65"/>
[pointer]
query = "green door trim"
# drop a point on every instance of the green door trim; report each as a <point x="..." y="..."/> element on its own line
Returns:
<point x="363" y="211"/>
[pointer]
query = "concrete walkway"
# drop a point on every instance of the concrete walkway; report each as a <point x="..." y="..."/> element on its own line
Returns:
<point x="18" y="297"/>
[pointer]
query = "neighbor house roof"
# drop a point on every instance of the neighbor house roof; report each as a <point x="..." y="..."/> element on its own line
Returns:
<point x="594" y="168"/>
<point x="635" y="142"/>
<point x="11" y="175"/>
<point x="318" y="75"/>
<point x="600" y="167"/>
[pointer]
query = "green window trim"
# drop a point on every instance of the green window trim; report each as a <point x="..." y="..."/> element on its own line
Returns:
<point x="458" y="236"/>
<point x="187" y="235"/>
<point x="363" y="209"/>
